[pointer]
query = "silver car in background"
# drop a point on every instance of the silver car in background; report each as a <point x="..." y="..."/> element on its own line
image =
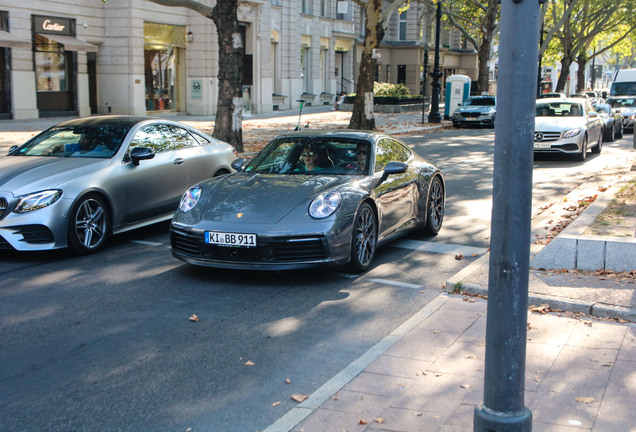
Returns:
<point x="626" y="106"/>
<point x="568" y="126"/>
<point x="82" y="180"/>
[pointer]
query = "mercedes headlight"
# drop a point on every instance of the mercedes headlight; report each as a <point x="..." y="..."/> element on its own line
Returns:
<point x="325" y="204"/>
<point x="37" y="200"/>
<point x="190" y="198"/>
<point x="572" y="133"/>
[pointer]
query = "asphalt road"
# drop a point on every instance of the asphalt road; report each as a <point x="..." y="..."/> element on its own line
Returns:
<point x="104" y="342"/>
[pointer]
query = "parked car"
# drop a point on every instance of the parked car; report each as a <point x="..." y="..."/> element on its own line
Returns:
<point x="580" y="95"/>
<point x="612" y="121"/>
<point x="551" y="95"/>
<point x="594" y="97"/>
<point x="568" y="126"/>
<point x="82" y="180"/>
<point x="277" y="213"/>
<point x="626" y="106"/>
<point x="476" y="110"/>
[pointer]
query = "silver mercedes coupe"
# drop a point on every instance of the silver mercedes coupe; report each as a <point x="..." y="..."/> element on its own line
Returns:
<point x="82" y="180"/>
<point x="310" y="198"/>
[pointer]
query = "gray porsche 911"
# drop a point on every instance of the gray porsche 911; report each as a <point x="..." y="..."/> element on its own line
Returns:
<point x="310" y="198"/>
<point x="85" y="179"/>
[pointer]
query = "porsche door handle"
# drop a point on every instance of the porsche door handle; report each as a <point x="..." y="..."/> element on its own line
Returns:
<point x="178" y="161"/>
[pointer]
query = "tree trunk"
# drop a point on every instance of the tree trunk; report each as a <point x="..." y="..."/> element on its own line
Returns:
<point x="483" y="53"/>
<point x="228" y="125"/>
<point x="580" y="74"/>
<point x="483" y="74"/>
<point x="362" y="115"/>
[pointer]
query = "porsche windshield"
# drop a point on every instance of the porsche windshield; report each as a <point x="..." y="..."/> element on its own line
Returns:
<point x="75" y="141"/>
<point x="313" y="155"/>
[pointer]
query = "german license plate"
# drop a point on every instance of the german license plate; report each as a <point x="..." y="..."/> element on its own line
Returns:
<point x="541" y="145"/>
<point x="230" y="239"/>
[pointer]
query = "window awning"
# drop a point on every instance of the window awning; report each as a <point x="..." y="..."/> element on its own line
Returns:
<point x="9" y="41"/>
<point x="72" y="44"/>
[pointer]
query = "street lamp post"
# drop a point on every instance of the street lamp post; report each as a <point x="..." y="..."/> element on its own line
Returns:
<point x="424" y="73"/>
<point x="434" y="116"/>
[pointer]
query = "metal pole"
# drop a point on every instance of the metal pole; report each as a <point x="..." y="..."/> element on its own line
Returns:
<point x="424" y="73"/>
<point x="540" y="78"/>
<point x="503" y="408"/>
<point x="434" y="116"/>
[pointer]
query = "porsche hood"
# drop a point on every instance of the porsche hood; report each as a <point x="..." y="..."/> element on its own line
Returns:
<point x="259" y="198"/>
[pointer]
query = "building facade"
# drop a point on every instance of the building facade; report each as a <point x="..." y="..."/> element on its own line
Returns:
<point x="83" y="57"/>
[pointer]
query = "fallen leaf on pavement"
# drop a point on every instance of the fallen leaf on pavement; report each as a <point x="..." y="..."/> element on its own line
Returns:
<point x="459" y="257"/>
<point x="585" y="399"/>
<point x="287" y="381"/>
<point x="362" y="422"/>
<point x="249" y="363"/>
<point x="276" y="403"/>
<point x="378" y="420"/>
<point x="466" y="386"/>
<point x="299" y="397"/>
<point x="194" y="318"/>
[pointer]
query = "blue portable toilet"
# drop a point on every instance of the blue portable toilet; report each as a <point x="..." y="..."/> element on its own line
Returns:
<point x="457" y="91"/>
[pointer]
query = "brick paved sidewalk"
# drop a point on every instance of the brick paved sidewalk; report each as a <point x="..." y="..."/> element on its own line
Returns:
<point x="430" y="376"/>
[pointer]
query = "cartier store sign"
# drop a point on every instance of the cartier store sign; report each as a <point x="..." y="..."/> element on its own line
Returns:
<point x="53" y="25"/>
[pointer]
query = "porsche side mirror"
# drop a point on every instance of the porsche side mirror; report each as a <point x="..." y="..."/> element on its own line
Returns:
<point x="141" y="153"/>
<point x="392" y="167"/>
<point x="238" y="164"/>
<point x="13" y="148"/>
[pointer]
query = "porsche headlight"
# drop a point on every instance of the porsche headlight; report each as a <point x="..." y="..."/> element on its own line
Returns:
<point x="571" y="133"/>
<point x="325" y="204"/>
<point x="190" y="198"/>
<point x="37" y="200"/>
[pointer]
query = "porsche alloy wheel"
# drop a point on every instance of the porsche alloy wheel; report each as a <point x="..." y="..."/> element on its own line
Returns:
<point x="88" y="225"/>
<point x="435" y="209"/>
<point x="364" y="241"/>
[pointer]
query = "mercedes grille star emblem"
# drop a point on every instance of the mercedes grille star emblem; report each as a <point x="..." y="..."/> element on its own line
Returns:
<point x="538" y="136"/>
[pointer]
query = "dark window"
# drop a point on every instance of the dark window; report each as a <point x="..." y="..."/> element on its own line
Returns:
<point x="4" y="20"/>
<point x="401" y="78"/>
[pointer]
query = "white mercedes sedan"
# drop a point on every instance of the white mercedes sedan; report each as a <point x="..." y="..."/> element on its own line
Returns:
<point x="568" y="126"/>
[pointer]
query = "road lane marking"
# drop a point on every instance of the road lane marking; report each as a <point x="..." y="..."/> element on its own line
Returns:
<point x="440" y="248"/>
<point x="147" y="243"/>
<point x="396" y="283"/>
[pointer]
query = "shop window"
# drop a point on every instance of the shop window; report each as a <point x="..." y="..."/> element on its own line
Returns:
<point x="51" y="67"/>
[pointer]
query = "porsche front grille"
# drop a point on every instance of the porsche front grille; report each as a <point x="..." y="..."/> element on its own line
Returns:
<point x="276" y="250"/>
<point x="3" y="206"/>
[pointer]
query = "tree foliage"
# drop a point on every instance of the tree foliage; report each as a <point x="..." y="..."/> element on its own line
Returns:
<point x="478" y="22"/>
<point x="574" y="28"/>
<point x="376" y="18"/>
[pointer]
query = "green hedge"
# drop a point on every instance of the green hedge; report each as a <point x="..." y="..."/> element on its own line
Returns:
<point x="389" y="100"/>
<point x="389" y="94"/>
